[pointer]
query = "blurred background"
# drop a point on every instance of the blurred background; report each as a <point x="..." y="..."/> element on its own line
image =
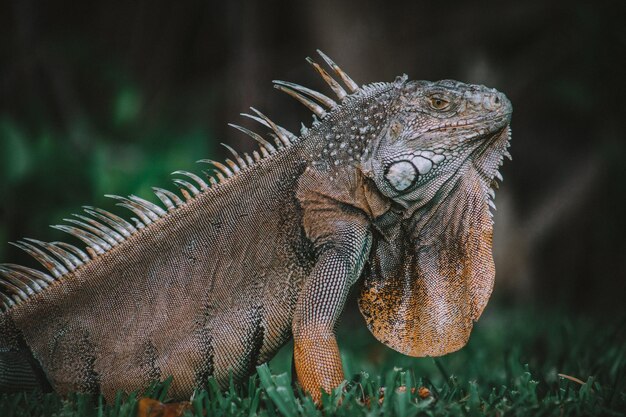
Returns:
<point x="110" y="97"/>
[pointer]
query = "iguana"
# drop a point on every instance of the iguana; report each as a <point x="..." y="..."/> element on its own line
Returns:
<point x="390" y="186"/>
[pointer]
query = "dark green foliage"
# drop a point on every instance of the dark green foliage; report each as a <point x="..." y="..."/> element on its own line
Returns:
<point x="46" y="175"/>
<point x="510" y="367"/>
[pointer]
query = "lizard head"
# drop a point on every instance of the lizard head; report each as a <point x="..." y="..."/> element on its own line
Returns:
<point x="431" y="271"/>
<point x="439" y="129"/>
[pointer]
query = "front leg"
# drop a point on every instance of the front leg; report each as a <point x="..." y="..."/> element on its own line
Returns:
<point x="316" y="354"/>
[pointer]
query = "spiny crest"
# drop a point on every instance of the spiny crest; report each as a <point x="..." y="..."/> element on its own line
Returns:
<point x="101" y="230"/>
<point x="494" y="184"/>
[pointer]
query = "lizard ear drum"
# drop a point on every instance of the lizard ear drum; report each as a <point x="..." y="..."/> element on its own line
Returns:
<point x="401" y="175"/>
<point x="424" y="287"/>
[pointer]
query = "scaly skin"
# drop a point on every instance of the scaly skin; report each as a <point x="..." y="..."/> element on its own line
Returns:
<point x="390" y="188"/>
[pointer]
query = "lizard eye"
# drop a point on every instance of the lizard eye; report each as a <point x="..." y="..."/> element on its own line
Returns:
<point x="439" y="103"/>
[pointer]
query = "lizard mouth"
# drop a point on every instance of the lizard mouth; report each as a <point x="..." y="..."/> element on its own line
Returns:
<point x="495" y="125"/>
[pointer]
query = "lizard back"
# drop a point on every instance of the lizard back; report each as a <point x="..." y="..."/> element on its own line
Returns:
<point x="211" y="282"/>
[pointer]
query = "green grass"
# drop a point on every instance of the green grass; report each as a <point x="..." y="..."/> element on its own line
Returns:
<point x="510" y="367"/>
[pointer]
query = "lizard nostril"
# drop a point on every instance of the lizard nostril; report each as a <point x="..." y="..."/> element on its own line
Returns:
<point x="491" y="102"/>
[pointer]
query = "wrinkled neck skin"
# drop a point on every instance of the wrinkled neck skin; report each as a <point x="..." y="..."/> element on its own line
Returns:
<point x="334" y="150"/>
<point x="480" y="162"/>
